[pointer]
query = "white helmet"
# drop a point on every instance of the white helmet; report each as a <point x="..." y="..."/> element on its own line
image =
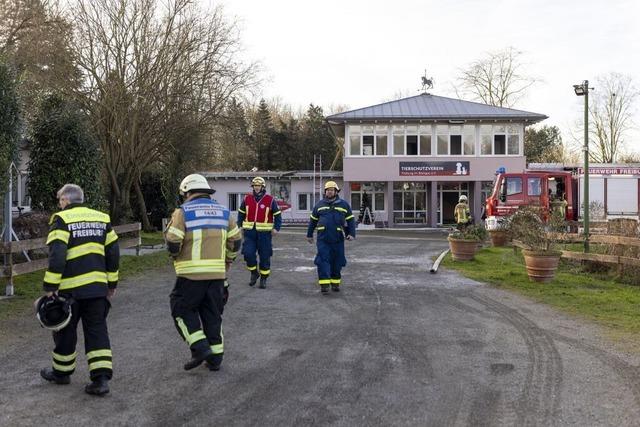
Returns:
<point x="463" y="198"/>
<point x="195" y="183"/>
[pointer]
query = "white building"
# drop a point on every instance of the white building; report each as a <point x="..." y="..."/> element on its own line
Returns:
<point x="421" y="153"/>
<point x="294" y="191"/>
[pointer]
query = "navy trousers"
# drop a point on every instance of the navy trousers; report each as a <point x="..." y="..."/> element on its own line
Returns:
<point x="260" y="242"/>
<point x="330" y="259"/>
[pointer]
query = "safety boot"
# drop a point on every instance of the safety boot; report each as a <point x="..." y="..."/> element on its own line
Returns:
<point x="335" y="288"/>
<point x="214" y="361"/>
<point x="263" y="282"/>
<point x="254" y="277"/>
<point x="213" y="367"/>
<point x="49" y="375"/>
<point x="196" y="359"/>
<point x="324" y="289"/>
<point x="98" y="387"/>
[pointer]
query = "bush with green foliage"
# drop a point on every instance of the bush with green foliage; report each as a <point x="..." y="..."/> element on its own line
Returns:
<point x="527" y="226"/>
<point x="63" y="150"/>
<point x="472" y="232"/>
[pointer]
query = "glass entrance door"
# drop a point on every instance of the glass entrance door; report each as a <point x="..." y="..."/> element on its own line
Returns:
<point x="448" y="195"/>
<point x="409" y="202"/>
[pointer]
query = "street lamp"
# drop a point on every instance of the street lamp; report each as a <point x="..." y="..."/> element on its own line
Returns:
<point x="583" y="90"/>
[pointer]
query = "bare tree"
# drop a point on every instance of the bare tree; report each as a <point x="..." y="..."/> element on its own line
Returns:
<point x="495" y="79"/>
<point x="158" y="76"/>
<point x="35" y="39"/>
<point x="611" y="109"/>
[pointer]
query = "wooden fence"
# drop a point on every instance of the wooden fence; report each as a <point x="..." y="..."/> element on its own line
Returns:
<point x="10" y="270"/>
<point x="604" y="239"/>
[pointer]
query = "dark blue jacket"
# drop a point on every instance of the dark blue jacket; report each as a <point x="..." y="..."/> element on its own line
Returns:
<point x="334" y="220"/>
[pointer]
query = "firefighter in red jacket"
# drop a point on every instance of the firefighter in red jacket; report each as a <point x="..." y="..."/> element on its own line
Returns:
<point x="259" y="218"/>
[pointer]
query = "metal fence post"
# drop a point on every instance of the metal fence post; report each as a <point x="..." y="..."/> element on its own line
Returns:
<point x="8" y="227"/>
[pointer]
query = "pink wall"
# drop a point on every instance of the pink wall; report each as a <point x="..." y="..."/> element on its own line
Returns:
<point x="373" y="168"/>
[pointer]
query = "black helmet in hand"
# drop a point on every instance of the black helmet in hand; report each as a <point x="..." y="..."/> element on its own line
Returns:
<point x="54" y="312"/>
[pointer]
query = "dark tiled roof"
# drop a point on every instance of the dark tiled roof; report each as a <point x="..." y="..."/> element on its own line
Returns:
<point x="426" y="106"/>
<point x="269" y="174"/>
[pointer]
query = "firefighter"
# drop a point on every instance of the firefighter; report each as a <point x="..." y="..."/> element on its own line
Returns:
<point x="559" y="207"/>
<point x="461" y="213"/>
<point x="83" y="270"/>
<point x="259" y="217"/>
<point x="334" y="220"/>
<point x="203" y="240"/>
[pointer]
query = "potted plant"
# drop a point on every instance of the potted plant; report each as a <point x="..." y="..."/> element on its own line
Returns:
<point x="540" y="240"/>
<point x="500" y="233"/>
<point x="464" y="243"/>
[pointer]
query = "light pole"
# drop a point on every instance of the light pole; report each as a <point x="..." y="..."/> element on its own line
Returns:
<point x="583" y="90"/>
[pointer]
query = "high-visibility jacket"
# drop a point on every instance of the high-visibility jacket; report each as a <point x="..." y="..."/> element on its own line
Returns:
<point x="462" y="213"/>
<point x="83" y="253"/>
<point x="334" y="220"/>
<point x="260" y="212"/>
<point x="202" y="237"/>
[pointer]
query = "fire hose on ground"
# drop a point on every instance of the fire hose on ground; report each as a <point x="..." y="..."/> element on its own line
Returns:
<point x="436" y="264"/>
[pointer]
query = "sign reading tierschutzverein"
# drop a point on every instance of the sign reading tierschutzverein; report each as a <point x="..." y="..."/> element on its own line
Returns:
<point x="434" y="168"/>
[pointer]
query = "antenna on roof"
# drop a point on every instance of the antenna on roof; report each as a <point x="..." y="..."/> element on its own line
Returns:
<point x="427" y="83"/>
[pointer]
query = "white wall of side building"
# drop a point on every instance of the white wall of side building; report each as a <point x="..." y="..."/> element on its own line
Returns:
<point x="296" y="190"/>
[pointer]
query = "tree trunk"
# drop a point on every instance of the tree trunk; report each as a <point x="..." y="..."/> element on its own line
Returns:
<point x="124" y="214"/>
<point x="146" y="225"/>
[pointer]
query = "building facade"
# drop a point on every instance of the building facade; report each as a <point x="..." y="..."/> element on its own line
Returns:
<point x="410" y="160"/>
<point x="295" y="192"/>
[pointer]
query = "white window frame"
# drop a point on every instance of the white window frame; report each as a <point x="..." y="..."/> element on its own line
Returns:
<point x="362" y="134"/>
<point x="309" y="200"/>
<point x="405" y="133"/>
<point x="239" y="199"/>
<point x="508" y="126"/>
<point x="372" y="194"/>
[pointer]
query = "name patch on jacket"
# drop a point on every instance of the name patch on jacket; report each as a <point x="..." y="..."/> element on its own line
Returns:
<point x="205" y="214"/>
<point x="87" y="229"/>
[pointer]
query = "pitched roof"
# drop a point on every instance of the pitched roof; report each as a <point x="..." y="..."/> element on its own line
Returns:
<point x="301" y="174"/>
<point x="427" y="106"/>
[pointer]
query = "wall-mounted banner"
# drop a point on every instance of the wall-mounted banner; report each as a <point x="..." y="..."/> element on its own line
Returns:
<point x="614" y="170"/>
<point x="434" y="168"/>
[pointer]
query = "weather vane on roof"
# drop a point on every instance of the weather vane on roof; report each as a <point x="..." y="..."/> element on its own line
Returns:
<point x="427" y="83"/>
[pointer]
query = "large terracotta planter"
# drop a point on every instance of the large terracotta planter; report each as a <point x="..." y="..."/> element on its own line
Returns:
<point x="498" y="237"/>
<point x="541" y="266"/>
<point x="461" y="249"/>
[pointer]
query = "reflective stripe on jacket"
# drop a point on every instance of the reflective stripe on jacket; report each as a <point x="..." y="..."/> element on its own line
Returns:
<point x="258" y="213"/>
<point x="334" y="220"/>
<point x="206" y="234"/>
<point x="83" y="253"/>
<point x="462" y="213"/>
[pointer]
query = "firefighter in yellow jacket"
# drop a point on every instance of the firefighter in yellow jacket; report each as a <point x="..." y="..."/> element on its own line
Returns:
<point x="461" y="213"/>
<point x="203" y="240"/>
<point x="83" y="272"/>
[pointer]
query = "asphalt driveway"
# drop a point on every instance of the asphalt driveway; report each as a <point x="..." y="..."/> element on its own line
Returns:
<point x="397" y="346"/>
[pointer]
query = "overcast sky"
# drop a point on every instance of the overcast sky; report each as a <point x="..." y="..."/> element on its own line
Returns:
<point x="361" y="52"/>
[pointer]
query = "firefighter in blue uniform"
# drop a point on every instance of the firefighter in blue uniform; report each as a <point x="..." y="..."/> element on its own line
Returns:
<point x="334" y="220"/>
<point x="259" y="218"/>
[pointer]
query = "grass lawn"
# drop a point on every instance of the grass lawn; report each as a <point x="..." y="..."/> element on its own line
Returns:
<point x="29" y="286"/>
<point x="153" y="238"/>
<point x="594" y="296"/>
